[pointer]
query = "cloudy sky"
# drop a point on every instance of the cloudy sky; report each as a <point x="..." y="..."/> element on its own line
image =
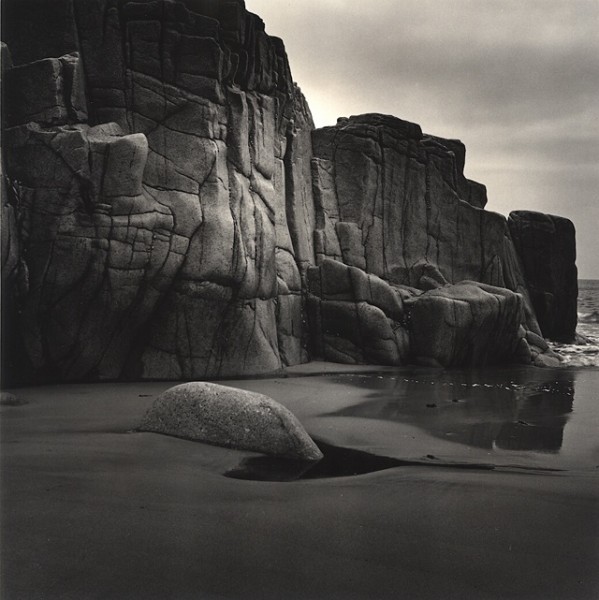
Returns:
<point x="516" y="80"/>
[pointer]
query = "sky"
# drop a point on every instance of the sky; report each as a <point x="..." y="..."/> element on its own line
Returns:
<point x="516" y="80"/>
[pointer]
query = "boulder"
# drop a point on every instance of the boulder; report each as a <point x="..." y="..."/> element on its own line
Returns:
<point x="546" y="245"/>
<point x="548" y="360"/>
<point x="467" y="324"/>
<point x="355" y="317"/>
<point x="230" y="417"/>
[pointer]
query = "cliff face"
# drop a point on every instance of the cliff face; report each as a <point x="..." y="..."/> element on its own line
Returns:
<point x="152" y="172"/>
<point x="394" y="202"/>
<point x="169" y="211"/>
<point x="546" y="245"/>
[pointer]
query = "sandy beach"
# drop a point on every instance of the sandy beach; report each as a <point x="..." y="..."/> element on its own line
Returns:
<point x="495" y="493"/>
<point x="249" y="193"/>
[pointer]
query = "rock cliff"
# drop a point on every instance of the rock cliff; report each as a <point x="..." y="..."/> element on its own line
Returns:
<point x="169" y="210"/>
<point x="152" y="169"/>
<point x="394" y="202"/>
<point x="546" y="245"/>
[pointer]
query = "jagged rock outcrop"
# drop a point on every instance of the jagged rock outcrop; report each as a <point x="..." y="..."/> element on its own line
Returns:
<point x="356" y="317"/>
<point x="546" y="245"/>
<point x="225" y="416"/>
<point x="394" y="203"/>
<point x="388" y="202"/>
<point x="153" y="207"/>
<point x="169" y="212"/>
<point x="469" y="324"/>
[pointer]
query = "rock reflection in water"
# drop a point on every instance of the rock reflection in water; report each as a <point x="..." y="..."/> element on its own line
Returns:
<point x="518" y="415"/>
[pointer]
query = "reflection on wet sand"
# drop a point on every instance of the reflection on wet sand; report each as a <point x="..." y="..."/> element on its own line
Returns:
<point x="520" y="415"/>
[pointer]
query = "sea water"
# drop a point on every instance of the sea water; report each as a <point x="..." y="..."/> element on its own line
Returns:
<point x="584" y="354"/>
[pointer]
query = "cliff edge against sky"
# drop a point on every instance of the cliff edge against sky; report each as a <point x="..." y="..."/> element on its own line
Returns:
<point x="170" y="212"/>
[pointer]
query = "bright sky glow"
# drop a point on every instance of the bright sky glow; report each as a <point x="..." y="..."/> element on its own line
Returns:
<point x="516" y="80"/>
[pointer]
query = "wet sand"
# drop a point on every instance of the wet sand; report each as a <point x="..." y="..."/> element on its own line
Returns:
<point x="496" y="496"/>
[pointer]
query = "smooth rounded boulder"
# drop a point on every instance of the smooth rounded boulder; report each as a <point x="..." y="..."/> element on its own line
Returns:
<point x="230" y="417"/>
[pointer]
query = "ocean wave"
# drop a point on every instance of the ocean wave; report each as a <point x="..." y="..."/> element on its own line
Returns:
<point x="583" y="354"/>
<point x="580" y="354"/>
<point x="592" y="317"/>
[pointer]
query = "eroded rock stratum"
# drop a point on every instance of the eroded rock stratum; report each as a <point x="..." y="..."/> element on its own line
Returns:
<point x="169" y="211"/>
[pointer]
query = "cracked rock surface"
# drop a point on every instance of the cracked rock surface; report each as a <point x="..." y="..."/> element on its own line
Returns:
<point x="169" y="211"/>
<point x="152" y="201"/>
<point x="394" y="203"/>
<point x="389" y="201"/>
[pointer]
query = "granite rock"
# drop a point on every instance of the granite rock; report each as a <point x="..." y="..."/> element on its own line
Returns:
<point x="169" y="212"/>
<point x="467" y="324"/>
<point x="230" y="417"/>
<point x="392" y="201"/>
<point x="546" y="245"/>
<point x="355" y="317"/>
<point x="48" y="92"/>
<point x="164" y="212"/>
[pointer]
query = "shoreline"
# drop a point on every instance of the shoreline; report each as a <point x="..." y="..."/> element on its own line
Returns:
<point x="91" y="509"/>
